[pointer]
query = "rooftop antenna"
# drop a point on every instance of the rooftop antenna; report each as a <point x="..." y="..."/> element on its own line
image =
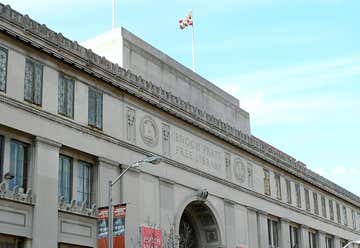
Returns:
<point x="113" y="14"/>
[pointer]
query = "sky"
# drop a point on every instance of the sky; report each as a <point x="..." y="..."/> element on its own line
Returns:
<point x="294" y="65"/>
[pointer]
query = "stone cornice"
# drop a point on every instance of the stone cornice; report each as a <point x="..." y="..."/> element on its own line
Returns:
<point x="55" y="44"/>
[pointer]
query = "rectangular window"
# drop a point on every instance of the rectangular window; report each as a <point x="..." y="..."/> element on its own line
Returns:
<point x="307" y="199"/>
<point x="95" y="109"/>
<point x="298" y="195"/>
<point x="3" y="68"/>
<point x="65" y="177"/>
<point x="33" y="81"/>
<point x="294" y="237"/>
<point x="316" y="203"/>
<point x="66" y="96"/>
<point x="312" y="240"/>
<point x="331" y="209"/>
<point x="267" y="190"/>
<point x="343" y="242"/>
<point x="273" y="233"/>
<point x="338" y="213"/>
<point x="353" y="218"/>
<point x="329" y="242"/>
<point x="323" y="207"/>
<point x="18" y="164"/>
<point x="1" y="157"/>
<point x="288" y="191"/>
<point x="84" y="183"/>
<point x="345" y="216"/>
<point x="278" y="186"/>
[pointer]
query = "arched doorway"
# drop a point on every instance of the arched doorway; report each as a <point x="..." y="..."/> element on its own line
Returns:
<point x="198" y="227"/>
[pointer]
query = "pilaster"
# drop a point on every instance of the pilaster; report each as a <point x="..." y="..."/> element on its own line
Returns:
<point x="45" y="185"/>
<point x="263" y="235"/>
<point x="304" y="236"/>
<point x="321" y="239"/>
<point x="337" y="242"/>
<point x="284" y="233"/>
<point x="253" y="234"/>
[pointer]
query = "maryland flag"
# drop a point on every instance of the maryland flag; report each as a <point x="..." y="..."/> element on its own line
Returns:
<point x="187" y="21"/>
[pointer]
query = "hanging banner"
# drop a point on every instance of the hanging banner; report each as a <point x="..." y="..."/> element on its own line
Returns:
<point x="103" y="227"/>
<point x="119" y="226"/>
<point x="119" y="214"/>
<point x="150" y="237"/>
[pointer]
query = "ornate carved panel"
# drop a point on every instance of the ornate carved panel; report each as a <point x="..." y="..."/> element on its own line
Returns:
<point x="149" y="131"/>
<point x="165" y="139"/>
<point x="239" y="170"/>
<point x="130" y="125"/>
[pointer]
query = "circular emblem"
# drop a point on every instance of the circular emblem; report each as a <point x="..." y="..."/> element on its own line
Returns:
<point x="239" y="170"/>
<point x="149" y="131"/>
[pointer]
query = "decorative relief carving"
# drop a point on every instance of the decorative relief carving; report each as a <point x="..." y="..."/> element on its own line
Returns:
<point x="149" y="131"/>
<point x="239" y="170"/>
<point x="223" y="130"/>
<point x="250" y="175"/>
<point x="17" y="194"/>
<point x="228" y="166"/>
<point x="166" y="140"/>
<point x="131" y="125"/>
<point x="77" y="207"/>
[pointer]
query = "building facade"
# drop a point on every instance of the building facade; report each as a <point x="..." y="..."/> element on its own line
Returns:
<point x="71" y="120"/>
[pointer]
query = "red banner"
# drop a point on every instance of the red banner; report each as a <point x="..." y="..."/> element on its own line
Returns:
<point x="150" y="237"/>
<point x="119" y="213"/>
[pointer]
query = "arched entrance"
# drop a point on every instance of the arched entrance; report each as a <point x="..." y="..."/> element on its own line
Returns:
<point x="198" y="227"/>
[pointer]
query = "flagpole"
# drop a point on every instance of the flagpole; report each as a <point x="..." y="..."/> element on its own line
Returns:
<point x="113" y="14"/>
<point x="193" y="42"/>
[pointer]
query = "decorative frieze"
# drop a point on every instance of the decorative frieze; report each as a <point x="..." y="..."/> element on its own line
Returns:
<point x="77" y="208"/>
<point x="130" y="125"/>
<point x="166" y="140"/>
<point x="56" y="44"/>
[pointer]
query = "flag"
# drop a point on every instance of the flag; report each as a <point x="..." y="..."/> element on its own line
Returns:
<point x="187" y="21"/>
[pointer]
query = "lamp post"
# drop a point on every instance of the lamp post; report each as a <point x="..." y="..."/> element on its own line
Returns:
<point x="149" y="160"/>
<point x="351" y="243"/>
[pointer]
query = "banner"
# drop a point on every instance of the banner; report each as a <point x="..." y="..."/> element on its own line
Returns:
<point x="150" y="237"/>
<point x="119" y="214"/>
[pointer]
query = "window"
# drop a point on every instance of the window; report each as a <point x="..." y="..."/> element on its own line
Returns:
<point x="312" y="239"/>
<point x="95" y="108"/>
<point x="278" y="186"/>
<point x="338" y="213"/>
<point x="288" y="191"/>
<point x="345" y="216"/>
<point x="66" y="96"/>
<point x="33" y="81"/>
<point x="1" y="156"/>
<point x="316" y="203"/>
<point x="18" y="164"/>
<point x="353" y="218"/>
<point x="343" y="242"/>
<point x="331" y="209"/>
<point x="323" y="207"/>
<point x="294" y="237"/>
<point x="298" y="195"/>
<point x="65" y="177"/>
<point x="307" y="199"/>
<point x="11" y="241"/>
<point x="84" y="183"/>
<point x="3" y="68"/>
<point x="267" y="190"/>
<point x="273" y="231"/>
<point x="329" y="242"/>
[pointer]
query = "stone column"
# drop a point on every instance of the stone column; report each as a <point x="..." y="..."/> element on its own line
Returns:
<point x="304" y="236"/>
<point x="45" y="186"/>
<point x="262" y="229"/>
<point x="337" y="243"/>
<point x="321" y="239"/>
<point x="107" y="170"/>
<point x="284" y="233"/>
<point x="253" y="228"/>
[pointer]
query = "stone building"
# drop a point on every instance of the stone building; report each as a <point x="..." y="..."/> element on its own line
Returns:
<point x="71" y="120"/>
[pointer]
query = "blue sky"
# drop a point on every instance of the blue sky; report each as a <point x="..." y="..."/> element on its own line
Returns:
<point x="294" y="65"/>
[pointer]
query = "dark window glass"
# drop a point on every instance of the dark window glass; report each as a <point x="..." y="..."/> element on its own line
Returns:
<point x="331" y="209"/>
<point x="307" y="199"/>
<point x="298" y="195"/>
<point x="288" y="191"/>
<point x="18" y="164"/>
<point x="95" y="108"/>
<point x="65" y="177"/>
<point x="1" y="157"/>
<point x="84" y="183"/>
<point x="338" y="213"/>
<point x="33" y="81"/>
<point x="316" y="203"/>
<point x="3" y="68"/>
<point x="66" y="96"/>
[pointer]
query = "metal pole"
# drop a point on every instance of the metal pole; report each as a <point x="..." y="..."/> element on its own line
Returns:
<point x="193" y="42"/>
<point x="110" y="216"/>
<point x="113" y="14"/>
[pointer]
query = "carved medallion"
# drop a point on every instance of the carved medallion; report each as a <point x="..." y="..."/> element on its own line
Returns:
<point x="149" y="131"/>
<point x="239" y="170"/>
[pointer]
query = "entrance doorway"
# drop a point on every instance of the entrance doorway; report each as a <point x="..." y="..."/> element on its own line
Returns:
<point x="198" y="227"/>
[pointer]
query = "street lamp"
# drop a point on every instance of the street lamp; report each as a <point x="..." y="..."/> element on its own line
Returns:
<point x="149" y="160"/>
<point x="352" y="242"/>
